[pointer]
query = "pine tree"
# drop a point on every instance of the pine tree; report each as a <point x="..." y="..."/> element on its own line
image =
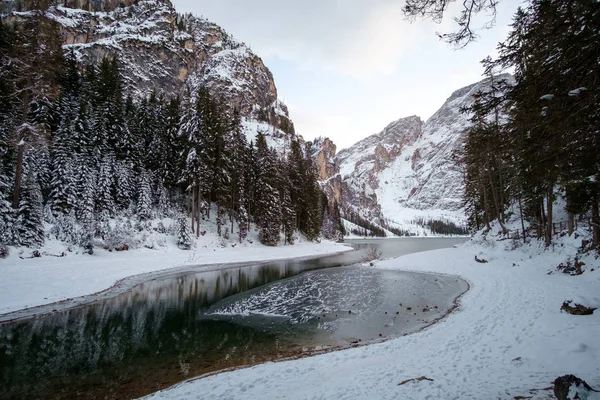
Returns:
<point x="184" y="240"/>
<point x="102" y="226"/>
<point x="62" y="184"/>
<point x="270" y="223"/>
<point x="29" y="225"/>
<point x="124" y="178"/>
<point x="243" y="218"/>
<point x="85" y="192"/>
<point x="6" y="212"/>
<point x="288" y="217"/>
<point x="163" y="204"/>
<point x="104" y="179"/>
<point x="554" y="107"/>
<point x="268" y="204"/>
<point x="144" y="203"/>
<point x="32" y="77"/>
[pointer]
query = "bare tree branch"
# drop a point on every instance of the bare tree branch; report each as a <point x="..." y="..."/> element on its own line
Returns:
<point x="465" y="32"/>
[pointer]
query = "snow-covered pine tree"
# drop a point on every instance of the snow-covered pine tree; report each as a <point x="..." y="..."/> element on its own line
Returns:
<point x="268" y="204"/>
<point x="104" y="179"/>
<point x="124" y="178"/>
<point x="62" y="183"/>
<point x="237" y="150"/>
<point x="102" y="224"/>
<point x="221" y="190"/>
<point x="242" y="213"/>
<point x="64" y="228"/>
<point x="6" y="212"/>
<point x="29" y="224"/>
<point x="85" y="192"/>
<point x="163" y="204"/>
<point x="144" y="202"/>
<point x="184" y="240"/>
<point x="288" y="216"/>
<point x="194" y="170"/>
<point x="175" y="145"/>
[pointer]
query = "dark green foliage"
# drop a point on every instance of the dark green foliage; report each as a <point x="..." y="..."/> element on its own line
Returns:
<point x="144" y="202"/>
<point x="367" y="227"/>
<point x="98" y="154"/>
<point x="29" y="224"/>
<point x="184" y="240"/>
<point x="440" y="227"/>
<point x="549" y="144"/>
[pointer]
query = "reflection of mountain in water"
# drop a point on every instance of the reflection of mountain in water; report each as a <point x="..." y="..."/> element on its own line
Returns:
<point x="159" y="333"/>
<point x="155" y="318"/>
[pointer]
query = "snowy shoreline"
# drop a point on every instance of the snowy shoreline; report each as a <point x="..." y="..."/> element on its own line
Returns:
<point x="37" y="286"/>
<point x="507" y="338"/>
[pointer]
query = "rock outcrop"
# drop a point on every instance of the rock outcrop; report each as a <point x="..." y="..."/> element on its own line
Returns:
<point x="159" y="50"/>
<point x="406" y="172"/>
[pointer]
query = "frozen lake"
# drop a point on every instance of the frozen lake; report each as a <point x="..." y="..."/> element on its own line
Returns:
<point x="177" y="327"/>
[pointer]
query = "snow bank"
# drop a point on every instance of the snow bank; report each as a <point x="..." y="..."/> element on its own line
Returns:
<point x="37" y="281"/>
<point x="508" y="338"/>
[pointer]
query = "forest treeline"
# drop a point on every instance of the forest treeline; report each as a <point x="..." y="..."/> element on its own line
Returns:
<point x="537" y="139"/>
<point x="76" y="150"/>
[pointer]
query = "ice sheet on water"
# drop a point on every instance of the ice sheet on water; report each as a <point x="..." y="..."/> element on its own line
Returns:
<point x="309" y="296"/>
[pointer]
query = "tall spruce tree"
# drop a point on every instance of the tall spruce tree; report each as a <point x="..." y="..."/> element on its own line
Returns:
<point x="29" y="224"/>
<point x="268" y="203"/>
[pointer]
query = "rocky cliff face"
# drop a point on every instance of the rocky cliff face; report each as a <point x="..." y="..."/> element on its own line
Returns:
<point x="163" y="51"/>
<point x="407" y="171"/>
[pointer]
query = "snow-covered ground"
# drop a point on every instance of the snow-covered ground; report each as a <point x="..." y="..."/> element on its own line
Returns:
<point x="32" y="282"/>
<point x="507" y="338"/>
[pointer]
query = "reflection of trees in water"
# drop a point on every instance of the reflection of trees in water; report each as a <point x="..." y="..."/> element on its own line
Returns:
<point x="155" y="323"/>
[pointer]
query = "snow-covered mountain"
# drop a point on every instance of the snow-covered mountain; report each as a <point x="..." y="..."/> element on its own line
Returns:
<point x="163" y="51"/>
<point x="407" y="171"/>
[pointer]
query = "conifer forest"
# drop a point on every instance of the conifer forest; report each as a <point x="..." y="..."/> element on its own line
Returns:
<point x="78" y="151"/>
<point x="535" y="136"/>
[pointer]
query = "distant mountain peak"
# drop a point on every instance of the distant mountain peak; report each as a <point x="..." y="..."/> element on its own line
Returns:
<point x="407" y="171"/>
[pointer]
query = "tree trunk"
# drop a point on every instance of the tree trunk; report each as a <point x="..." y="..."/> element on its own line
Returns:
<point x="571" y="216"/>
<point x="198" y="210"/>
<point x="232" y="204"/>
<point x="19" y="172"/>
<point x="541" y="231"/>
<point x="550" y="201"/>
<point x="496" y="201"/>
<point x="486" y="206"/>
<point x="596" y="221"/>
<point x="193" y="213"/>
<point x="522" y="221"/>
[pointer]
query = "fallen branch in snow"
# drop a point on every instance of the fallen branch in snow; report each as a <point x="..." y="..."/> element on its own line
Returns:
<point x="481" y="260"/>
<point x="34" y="254"/>
<point x="422" y="378"/>
<point x="578" y="309"/>
<point x="63" y="254"/>
<point x="372" y="254"/>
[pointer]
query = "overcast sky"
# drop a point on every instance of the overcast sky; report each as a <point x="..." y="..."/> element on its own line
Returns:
<point x="347" y="68"/>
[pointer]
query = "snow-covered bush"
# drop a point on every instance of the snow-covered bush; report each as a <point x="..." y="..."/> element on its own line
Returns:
<point x="184" y="240"/>
<point x="121" y="237"/>
<point x="65" y="228"/>
<point x="3" y="251"/>
<point x="102" y="225"/>
<point x="160" y="228"/>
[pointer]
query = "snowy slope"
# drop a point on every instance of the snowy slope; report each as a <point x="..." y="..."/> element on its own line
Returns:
<point x="508" y="338"/>
<point x="163" y="51"/>
<point x="407" y="171"/>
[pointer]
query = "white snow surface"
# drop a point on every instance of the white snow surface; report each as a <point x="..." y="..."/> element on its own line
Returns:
<point x="507" y="338"/>
<point x="32" y="282"/>
<point x="408" y="170"/>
